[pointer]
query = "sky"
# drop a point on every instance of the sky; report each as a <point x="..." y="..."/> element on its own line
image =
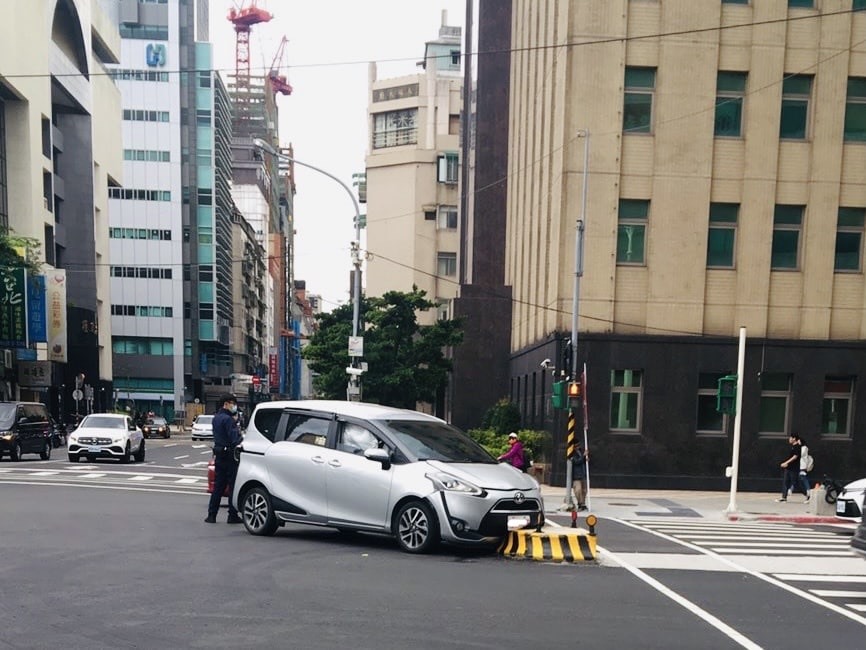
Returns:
<point x="330" y="43"/>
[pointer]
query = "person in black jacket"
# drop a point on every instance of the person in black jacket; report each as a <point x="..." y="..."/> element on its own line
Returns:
<point x="578" y="476"/>
<point x="226" y="437"/>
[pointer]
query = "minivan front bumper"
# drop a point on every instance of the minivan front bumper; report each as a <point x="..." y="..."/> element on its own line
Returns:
<point x="469" y="519"/>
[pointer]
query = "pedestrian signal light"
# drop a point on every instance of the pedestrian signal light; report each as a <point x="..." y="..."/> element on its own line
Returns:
<point x="726" y="395"/>
<point x="574" y="393"/>
<point x="558" y="397"/>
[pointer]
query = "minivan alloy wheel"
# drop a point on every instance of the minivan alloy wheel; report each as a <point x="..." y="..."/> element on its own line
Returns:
<point x="417" y="528"/>
<point x="258" y="513"/>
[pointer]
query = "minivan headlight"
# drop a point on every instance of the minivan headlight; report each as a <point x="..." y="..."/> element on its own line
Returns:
<point x="449" y="483"/>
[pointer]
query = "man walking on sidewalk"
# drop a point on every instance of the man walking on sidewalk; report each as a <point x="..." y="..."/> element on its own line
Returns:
<point x="791" y="466"/>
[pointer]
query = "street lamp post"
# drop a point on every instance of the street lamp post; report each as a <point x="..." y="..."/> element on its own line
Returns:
<point x="353" y="390"/>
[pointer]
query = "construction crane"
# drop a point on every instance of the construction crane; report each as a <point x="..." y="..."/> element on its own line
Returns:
<point x="244" y="16"/>
<point x="279" y="83"/>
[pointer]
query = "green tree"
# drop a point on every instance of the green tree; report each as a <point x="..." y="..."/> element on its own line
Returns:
<point x="20" y="251"/>
<point x="503" y="417"/>
<point x="406" y="361"/>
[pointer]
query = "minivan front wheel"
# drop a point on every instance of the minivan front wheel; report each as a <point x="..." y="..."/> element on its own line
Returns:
<point x="15" y="454"/>
<point x="258" y="512"/>
<point x="417" y="529"/>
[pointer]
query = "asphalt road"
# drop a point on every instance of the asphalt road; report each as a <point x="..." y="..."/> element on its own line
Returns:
<point x="122" y="561"/>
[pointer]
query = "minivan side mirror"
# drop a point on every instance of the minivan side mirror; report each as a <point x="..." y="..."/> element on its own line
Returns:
<point x="379" y="456"/>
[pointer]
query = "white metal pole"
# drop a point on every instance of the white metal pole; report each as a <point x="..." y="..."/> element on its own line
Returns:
<point x="738" y="414"/>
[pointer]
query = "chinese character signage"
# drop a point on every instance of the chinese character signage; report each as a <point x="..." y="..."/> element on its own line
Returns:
<point x="395" y="92"/>
<point x="34" y="374"/>
<point x="273" y="369"/>
<point x="36" y="309"/>
<point x="13" y="308"/>
<point x="55" y="305"/>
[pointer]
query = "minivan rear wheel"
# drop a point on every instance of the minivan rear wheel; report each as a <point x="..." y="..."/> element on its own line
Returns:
<point x="417" y="530"/>
<point x="45" y="454"/>
<point x="258" y="512"/>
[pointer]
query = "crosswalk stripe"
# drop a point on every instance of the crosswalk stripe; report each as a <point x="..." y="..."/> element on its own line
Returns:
<point x="856" y="607"/>
<point x="838" y="593"/>
<point x="808" y="577"/>
<point x="45" y="473"/>
<point x="781" y="551"/>
<point x="187" y="480"/>
<point x="749" y="542"/>
<point x="141" y="477"/>
<point x="92" y="475"/>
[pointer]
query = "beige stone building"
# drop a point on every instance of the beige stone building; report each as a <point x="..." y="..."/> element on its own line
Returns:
<point x="727" y="155"/>
<point x="60" y="118"/>
<point x="413" y="167"/>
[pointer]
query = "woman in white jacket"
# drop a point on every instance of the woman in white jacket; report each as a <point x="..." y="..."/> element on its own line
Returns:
<point x="805" y="463"/>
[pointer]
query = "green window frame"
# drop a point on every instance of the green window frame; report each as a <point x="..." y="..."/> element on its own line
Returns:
<point x="722" y="235"/>
<point x="637" y="112"/>
<point x="796" y="93"/>
<point x="773" y="412"/>
<point x="631" y="231"/>
<point x="837" y="407"/>
<point x="849" y="239"/>
<point x="787" y="222"/>
<point x="626" y="392"/>
<point x="807" y="4"/>
<point x="730" y="95"/>
<point x="855" y="110"/>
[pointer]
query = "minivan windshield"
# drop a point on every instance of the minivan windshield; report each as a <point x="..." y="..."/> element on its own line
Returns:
<point x="428" y="440"/>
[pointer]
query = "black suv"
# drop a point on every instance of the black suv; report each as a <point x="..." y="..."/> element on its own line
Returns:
<point x="25" y="428"/>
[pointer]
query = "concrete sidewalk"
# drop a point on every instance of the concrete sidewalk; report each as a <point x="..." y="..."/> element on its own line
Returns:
<point x="760" y="506"/>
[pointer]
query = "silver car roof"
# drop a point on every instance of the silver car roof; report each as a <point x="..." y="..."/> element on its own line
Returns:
<point x="363" y="410"/>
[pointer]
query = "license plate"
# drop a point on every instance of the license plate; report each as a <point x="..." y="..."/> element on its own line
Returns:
<point x="94" y="450"/>
<point x="516" y="522"/>
<point x="840" y="507"/>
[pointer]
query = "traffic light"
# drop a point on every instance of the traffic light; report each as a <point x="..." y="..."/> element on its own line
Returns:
<point x="726" y="395"/>
<point x="558" y="397"/>
<point x="574" y="393"/>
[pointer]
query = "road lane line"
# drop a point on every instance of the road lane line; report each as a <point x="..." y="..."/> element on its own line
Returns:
<point x="199" y="446"/>
<point x="179" y="457"/>
<point x="701" y="613"/>
<point x="43" y="473"/>
<point x="94" y="486"/>
<point x="757" y="574"/>
<point x="141" y="477"/>
<point x="187" y="480"/>
<point x="205" y="452"/>
<point x="856" y="607"/>
<point x="92" y="475"/>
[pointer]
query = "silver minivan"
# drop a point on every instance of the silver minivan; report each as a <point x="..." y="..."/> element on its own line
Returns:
<point x="364" y="467"/>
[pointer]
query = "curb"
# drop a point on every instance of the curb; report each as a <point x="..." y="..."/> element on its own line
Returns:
<point x="572" y="546"/>
<point x="793" y="519"/>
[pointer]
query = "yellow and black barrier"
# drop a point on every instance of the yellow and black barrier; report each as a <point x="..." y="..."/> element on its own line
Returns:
<point x="558" y="545"/>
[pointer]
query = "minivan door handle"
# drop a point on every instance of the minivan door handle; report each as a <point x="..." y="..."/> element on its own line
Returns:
<point x="317" y="459"/>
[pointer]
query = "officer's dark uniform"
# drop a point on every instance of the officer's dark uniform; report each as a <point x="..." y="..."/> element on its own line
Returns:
<point x="226" y="437"/>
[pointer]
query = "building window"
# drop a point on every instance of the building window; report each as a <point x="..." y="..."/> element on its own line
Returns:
<point x="710" y="422"/>
<point x="631" y="231"/>
<point x="131" y="194"/>
<point x="446" y="264"/>
<point x="144" y="32"/>
<point x="395" y="128"/>
<point x="722" y="237"/>
<point x="4" y="181"/>
<point x="144" y="346"/>
<point x="139" y="115"/>
<point x="855" y="110"/>
<point x="730" y="91"/>
<point x="787" y="220"/>
<point x="202" y="117"/>
<point x="637" y="109"/>
<point x="857" y="5"/>
<point x="448" y="167"/>
<point x="796" y="91"/>
<point x="801" y="3"/>
<point x="837" y="406"/>
<point x="735" y="2"/>
<point x="146" y="155"/>
<point x="429" y="215"/>
<point x="849" y="238"/>
<point x="773" y="411"/>
<point x="447" y="217"/>
<point x="625" y="400"/>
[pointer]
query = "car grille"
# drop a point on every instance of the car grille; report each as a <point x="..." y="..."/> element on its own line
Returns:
<point x="495" y="522"/>
<point x="94" y="441"/>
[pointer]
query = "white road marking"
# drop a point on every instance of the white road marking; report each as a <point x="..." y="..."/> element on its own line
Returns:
<point x="170" y="444"/>
<point x="141" y="477"/>
<point x="201" y="463"/>
<point x="44" y="473"/>
<point x="187" y="480"/>
<point x="782" y="551"/>
<point x="199" y="446"/>
<point x="783" y="544"/>
<point x="205" y="452"/>
<point x="808" y="577"/>
<point x="757" y="574"/>
<point x="92" y="475"/>
<point x="856" y="607"/>
<point x="179" y="457"/>
<point x="701" y="613"/>
<point x="838" y="593"/>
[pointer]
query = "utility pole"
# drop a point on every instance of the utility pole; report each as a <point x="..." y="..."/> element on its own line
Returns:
<point x="356" y="343"/>
<point x="578" y="273"/>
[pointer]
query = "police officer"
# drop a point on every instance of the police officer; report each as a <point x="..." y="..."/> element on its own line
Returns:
<point x="226" y="437"/>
